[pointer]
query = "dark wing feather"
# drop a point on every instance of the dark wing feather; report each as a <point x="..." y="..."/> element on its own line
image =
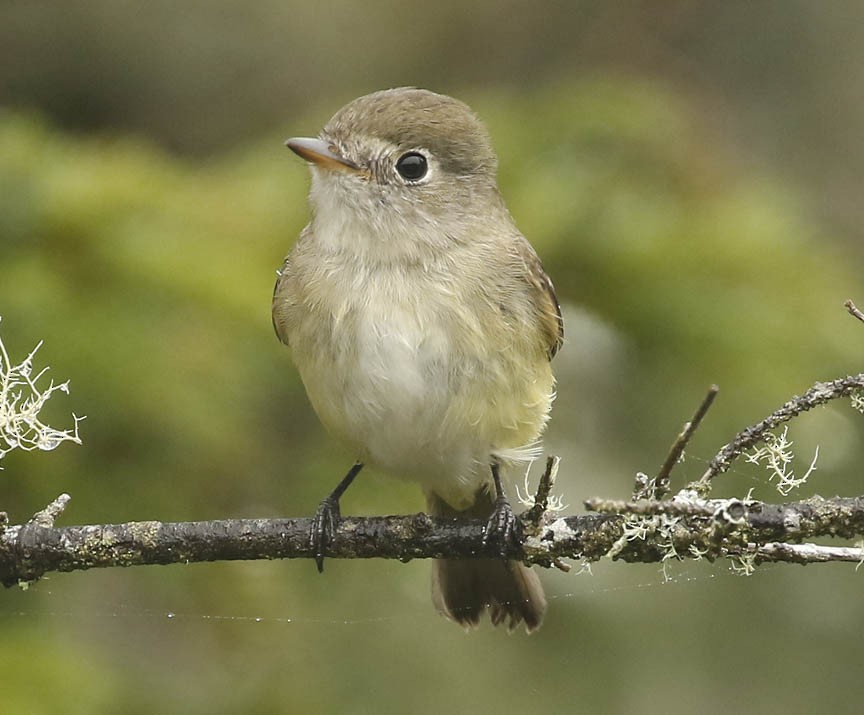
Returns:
<point x="545" y="299"/>
<point x="278" y="305"/>
<point x="286" y="292"/>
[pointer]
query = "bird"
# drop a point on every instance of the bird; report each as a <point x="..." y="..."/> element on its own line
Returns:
<point x="423" y="327"/>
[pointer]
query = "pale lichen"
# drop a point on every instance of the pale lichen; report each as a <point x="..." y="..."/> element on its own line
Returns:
<point x="776" y="456"/>
<point x="21" y="400"/>
<point x="743" y="564"/>
<point x="554" y="502"/>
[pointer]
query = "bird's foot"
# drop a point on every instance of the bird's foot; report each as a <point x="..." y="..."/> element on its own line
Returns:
<point x="324" y="524"/>
<point x="503" y="529"/>
<point x="327" y="518"/>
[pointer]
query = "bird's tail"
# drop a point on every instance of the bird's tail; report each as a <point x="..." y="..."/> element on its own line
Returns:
<point x="462" y="589"/>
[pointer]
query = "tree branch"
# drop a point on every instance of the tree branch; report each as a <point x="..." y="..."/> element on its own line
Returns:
<point x="645" y="532"/>
<point x="853" y="310"/>
<point x="819" y="394"/>
<point x="658" y="487"/>
<point x="806" y="553"/>
<point x="689" y="525"/>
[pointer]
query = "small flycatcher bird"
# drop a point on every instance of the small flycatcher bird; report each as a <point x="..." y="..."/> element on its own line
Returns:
<point x="423" y="325"/>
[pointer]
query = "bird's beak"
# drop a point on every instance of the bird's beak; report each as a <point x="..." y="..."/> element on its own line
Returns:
<point x="320" y="153"/>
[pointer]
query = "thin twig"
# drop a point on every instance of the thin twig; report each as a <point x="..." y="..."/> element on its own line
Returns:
<point x="659" y="486"/>
<point x="534" y="515"/>
<point x="48" y="515"/>
<point x="673" y="507"/>
<point x="850" y="306"/>
<point x="805" y="553"/>
<point x="533" y="518"/>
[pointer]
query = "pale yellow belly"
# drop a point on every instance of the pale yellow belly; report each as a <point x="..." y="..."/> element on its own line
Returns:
<point x="411" y="395"/>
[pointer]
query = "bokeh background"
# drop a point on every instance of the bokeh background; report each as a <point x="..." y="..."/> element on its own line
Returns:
<point x="690" y="173"/>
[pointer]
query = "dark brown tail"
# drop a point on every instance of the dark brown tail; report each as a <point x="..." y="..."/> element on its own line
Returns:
<point x="463" y="589"/>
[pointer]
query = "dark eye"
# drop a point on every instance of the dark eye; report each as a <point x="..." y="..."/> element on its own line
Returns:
<point x="412" y="166"/>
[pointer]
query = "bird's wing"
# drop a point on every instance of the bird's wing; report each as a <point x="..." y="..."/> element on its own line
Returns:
<point x="280" y="297"/>
<point x="285" y="291"/>
<point x="544" y="297"/>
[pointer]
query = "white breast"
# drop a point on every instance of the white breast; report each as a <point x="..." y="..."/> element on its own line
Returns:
<point x="386" y="387"/>
<point x="418" y="372"/>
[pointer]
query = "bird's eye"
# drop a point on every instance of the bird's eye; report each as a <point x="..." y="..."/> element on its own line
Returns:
<point x="412" y="166"/>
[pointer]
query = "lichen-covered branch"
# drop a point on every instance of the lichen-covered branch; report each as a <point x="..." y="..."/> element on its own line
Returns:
<point x="819" y="394"/>
<point x="805" y="553"/>
<point x="708" y="529"/>
<point x="689" y="525"/>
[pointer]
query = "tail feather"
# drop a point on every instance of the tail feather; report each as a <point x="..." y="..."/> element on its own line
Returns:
<point x="463" y="589"/>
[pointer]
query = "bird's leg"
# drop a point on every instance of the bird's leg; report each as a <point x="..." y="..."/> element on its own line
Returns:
<point x="327" y="517"/>
<point x="503" y="527"/>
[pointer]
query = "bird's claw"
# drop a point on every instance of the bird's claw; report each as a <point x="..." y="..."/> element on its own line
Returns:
<point x="503" y="528"/>
<point x="323" y="529"/>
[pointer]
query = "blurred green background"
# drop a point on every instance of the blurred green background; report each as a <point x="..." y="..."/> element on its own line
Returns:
<point x="690" y="173"/>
